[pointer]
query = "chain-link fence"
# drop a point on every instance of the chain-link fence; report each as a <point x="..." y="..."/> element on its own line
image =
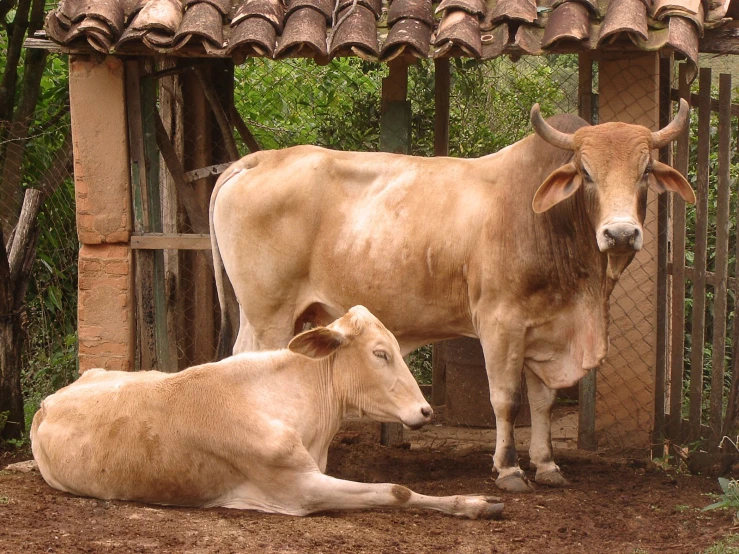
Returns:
<point x="37" y="214"/>
<point x="275" y="105"/>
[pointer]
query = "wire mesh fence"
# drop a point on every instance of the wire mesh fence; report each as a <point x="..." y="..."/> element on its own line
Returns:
<point x="37" y="215"/>
<point x="338" y="106"/>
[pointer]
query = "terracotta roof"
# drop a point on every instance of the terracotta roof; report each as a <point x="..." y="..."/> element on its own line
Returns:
<point x="378" y="29"/>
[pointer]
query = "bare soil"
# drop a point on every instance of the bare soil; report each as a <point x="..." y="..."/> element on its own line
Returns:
<point x="613" y="505"/>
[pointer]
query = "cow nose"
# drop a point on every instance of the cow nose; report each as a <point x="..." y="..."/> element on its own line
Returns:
<point x="427" y="412"/>
<point x="622" y="237"/>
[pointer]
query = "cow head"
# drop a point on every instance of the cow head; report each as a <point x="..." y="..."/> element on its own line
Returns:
<point x="613" y="162"/>
<point x="370" y="374"/>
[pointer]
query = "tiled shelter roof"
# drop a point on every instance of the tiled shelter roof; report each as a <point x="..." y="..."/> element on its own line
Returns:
<point x="382" y="29"/>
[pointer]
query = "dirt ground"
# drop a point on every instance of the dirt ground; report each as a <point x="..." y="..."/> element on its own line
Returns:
<point x="613" y="505"/>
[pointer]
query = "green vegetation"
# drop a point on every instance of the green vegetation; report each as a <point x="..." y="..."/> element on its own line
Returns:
<point x="727" y="545"/>
<point x="338" y="106"/>
<point x="729" y="498"/>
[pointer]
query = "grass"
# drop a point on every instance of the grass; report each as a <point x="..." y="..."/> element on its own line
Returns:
<point x="727" y="545"/>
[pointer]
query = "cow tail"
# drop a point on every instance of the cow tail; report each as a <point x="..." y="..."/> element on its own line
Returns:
<point x="226" y="295"/>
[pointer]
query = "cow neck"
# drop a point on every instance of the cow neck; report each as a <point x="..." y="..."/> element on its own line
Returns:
<point x="328" y="398"/>
<point x="567" y="251"/>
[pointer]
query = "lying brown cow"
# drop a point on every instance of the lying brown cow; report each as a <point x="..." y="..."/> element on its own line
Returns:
<point x="443" y="247"/>
<point x="248" y="432"/>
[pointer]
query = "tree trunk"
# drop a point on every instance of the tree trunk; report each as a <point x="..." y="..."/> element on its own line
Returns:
<point x="11" y="396"/>
<point x="12" y="174"/>
<point x="17" y="34"/>
<point x="15" y="269"/>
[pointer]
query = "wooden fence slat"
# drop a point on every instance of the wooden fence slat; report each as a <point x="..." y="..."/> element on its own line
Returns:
<point x="146" y="356"/>
<point x="677" y="316"/>
<point x="663" y="215"/>
<point x="715" y="106"/>
<point x="731" y="419"/>
<point x="722" y="249"/>
<point x="169" y="116"/>
<point x="731" y="282"/>
<point x="153" y="193"/>
<point x="699" y="265"/>
<point x="170" y="241"/>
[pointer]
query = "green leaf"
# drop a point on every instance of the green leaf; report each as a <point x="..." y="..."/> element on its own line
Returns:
<point x="726" y="484"/>
<point x="716" y="505"/>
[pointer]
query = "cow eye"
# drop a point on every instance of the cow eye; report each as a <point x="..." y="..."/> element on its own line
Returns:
<point x="382" y="355"/>
<point x="586" y="175"/>
<point x="647" y="170"/>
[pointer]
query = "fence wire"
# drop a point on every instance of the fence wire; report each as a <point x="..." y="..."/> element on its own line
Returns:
<point x="36" y="154"/>
<point x="339" y="106"/>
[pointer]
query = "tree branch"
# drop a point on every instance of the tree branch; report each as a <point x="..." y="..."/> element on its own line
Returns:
<point x="12" y="60"/>
<point x="244" y="131"/>
<point x="12" y="171"/>
<point x="32" y="203"/>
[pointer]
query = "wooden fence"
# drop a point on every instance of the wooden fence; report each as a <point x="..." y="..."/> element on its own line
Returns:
<point x="694" y="401"/>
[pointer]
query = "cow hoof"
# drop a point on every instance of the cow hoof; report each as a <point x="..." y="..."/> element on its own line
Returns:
<point x="476" y="506"/>
<point x="492" y="511"/>
<point x="552" y="478"/>
<point x="513" y="483"/>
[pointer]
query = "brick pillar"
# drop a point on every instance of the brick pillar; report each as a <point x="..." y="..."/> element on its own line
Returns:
<point x="103" y="192"/>
<point x="629" y="92"/>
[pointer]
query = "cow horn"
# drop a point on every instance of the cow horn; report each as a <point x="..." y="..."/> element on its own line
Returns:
<point x="549" y="133"/>
<point x="665" y="136"/>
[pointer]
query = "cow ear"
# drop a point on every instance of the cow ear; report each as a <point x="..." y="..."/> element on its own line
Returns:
<point x="664" y="178"/>
<point x="561" y="183"/>
<point x="317" y="343"/>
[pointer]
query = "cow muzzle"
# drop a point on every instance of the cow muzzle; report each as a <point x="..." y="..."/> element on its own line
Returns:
<point x="620" y="236"/>
<point x="419" y="418"/>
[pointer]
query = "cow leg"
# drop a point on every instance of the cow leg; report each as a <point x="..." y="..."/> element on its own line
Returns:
<point x="315" y="492"/>
<point x="245" y="340"/>
<point x="541" y="400"/>
<point x="504" y="363"/>
<point x="272" y="333"/>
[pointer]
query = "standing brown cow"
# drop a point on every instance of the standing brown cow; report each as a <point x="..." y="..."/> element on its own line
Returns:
<point x="440" y="248"/>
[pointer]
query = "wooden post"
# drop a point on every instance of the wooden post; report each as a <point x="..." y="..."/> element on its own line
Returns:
<point x="395" y="136"/>
<point x="701" y="248"/>
<point x="731" y="419"/>
<point x="722" y="261"/>
<point x="151" y="152"/>
<point x="677" y="319"/>
<point x="169" y="118"/>
<point x="663" y="224"/>
<point x="586" y="438"/>
<point x="198" y="137"/>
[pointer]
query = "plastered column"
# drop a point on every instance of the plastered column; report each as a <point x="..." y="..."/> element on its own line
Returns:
<point x="102" y="191"/>
<point x="629" y="92"/>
